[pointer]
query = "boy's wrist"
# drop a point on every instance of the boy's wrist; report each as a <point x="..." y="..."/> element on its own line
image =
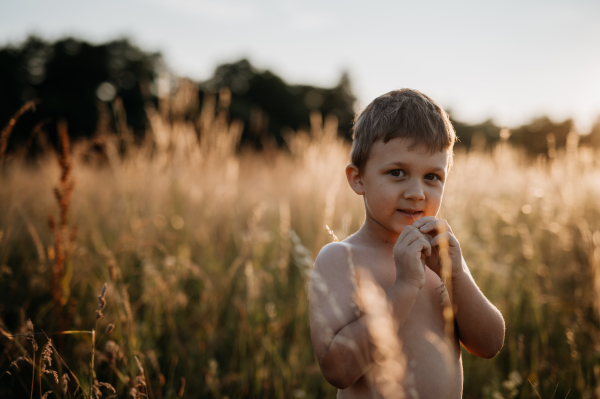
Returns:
<point x="404" y="282"/>
<point x="460" y="272"/>
<point x="404" y="288"/>
<point x="401" y="296"/>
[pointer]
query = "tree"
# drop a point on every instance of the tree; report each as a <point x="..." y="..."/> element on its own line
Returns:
<point x="539" y="134"/>
<point x="268" y="105"/>
<point x="70" y="77"/>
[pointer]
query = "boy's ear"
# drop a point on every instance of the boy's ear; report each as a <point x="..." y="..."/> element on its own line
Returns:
<point x="355" y="179"/>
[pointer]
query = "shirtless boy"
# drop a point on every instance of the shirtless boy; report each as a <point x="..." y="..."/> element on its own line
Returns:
<point x="401" y="156"/>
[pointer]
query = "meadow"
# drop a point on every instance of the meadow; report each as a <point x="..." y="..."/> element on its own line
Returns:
<point x="206" y="252"/>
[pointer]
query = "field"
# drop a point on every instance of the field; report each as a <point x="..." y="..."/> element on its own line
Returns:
<point x="206" y="252"/>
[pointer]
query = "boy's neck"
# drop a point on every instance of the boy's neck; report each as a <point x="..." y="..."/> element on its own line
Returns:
<point x="375" y="235"/>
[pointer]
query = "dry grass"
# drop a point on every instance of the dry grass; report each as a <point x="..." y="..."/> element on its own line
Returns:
<point x="7" y="130"/>
<point x="206" y="256"/>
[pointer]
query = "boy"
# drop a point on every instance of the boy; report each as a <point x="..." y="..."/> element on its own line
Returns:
<point x="383" y="323"/>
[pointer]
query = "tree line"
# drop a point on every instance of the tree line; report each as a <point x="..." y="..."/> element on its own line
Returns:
<point x="71" y="78"/>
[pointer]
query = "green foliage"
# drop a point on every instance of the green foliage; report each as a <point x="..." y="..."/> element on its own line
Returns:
<point x="70" y="76"/>
<point x="269" y="106"/>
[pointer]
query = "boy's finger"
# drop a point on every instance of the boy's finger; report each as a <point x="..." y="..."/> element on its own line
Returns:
<point x="427" y="250"/>
<point x="443" y="237"/>
<point x="437" y="225"/>
<point x="420" y="222"/>
<point x="428" y="237"/>
<point x="405" y="232"/>
<point x="412" y="236"/>
<point x="421" y="245"/>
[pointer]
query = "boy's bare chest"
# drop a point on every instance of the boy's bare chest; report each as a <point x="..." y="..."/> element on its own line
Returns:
<point x="427" y="312"/>
<point x="423" y="335"/>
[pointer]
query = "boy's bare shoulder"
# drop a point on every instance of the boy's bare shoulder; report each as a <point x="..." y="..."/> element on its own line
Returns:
<point x="337" y="257"/>
<point x="333" y="266"/>
<point x="332" y="253"/>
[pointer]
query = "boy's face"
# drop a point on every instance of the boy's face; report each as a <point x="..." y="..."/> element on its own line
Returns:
<point x="400" y="186"/>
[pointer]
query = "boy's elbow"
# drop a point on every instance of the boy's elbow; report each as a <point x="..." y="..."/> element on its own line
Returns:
<point x="494" y="345"/>
<point x="333" y="373"/>
<point x="486" y="350"/>
<point x="490" y="352"/>
<point x="337" y="380"/>
<point x="486" y="346"/>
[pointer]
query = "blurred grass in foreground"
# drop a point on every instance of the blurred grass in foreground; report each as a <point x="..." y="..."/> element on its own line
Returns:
<point x="206" y="254"/>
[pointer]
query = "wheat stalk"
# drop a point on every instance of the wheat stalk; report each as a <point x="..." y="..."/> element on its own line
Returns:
<point x="5" y="134"/>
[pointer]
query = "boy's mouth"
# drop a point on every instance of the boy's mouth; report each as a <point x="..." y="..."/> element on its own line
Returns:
<point x="411" y="213"/>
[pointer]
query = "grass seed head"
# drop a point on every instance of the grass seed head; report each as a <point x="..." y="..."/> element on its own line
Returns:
<point x="52" y="373"/>
<point x="30" y="337"/>
<point x="5" y="133"/>
<point x="101" y="302"/>
<point x="139" y="365"/>
<point x="109" y="328"/>
<point x="107" y="386"/>
<point x="96" y="393"/>
<point x="15" y="363"/>
<point x="47" y="353"/>
<point x="332" y="234"/>
<point x="65" y="383"/>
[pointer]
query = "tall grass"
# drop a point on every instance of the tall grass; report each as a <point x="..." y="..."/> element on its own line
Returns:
<point x="206" y="255"/>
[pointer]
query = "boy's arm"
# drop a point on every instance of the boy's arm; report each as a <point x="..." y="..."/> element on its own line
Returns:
<point x="480" y="324"/>
<point x="341" y="339"/>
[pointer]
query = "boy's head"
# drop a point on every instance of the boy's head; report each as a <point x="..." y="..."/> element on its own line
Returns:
<point x="405" y="114"/>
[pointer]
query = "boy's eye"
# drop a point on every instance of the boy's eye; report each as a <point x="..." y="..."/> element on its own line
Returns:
<point x="397" y="172"/>
<point x="432" y="176"/>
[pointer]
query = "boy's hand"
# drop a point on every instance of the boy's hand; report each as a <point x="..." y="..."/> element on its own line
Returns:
<point x="410" y="252"/>
<point x="440" y="232"/>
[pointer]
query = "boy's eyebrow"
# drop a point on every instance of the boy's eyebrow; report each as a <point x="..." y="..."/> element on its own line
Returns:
<point x="396" y="163"/>
<point x="404" y="165"/>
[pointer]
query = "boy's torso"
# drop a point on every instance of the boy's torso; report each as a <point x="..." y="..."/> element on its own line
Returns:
<point x="433" y="369"/>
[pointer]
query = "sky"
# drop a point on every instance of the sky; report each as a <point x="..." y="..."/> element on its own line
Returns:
<point x="509" y="60"/>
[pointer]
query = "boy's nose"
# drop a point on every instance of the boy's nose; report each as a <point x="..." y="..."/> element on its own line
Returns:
<point x="414" y="192"/>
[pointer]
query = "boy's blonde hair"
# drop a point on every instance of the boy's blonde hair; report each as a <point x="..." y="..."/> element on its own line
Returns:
<point x="407" y="114"/>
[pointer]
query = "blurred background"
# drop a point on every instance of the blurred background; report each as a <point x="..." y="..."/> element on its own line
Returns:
<point x="531" y="65"/>
<point x="200" y="149"/>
